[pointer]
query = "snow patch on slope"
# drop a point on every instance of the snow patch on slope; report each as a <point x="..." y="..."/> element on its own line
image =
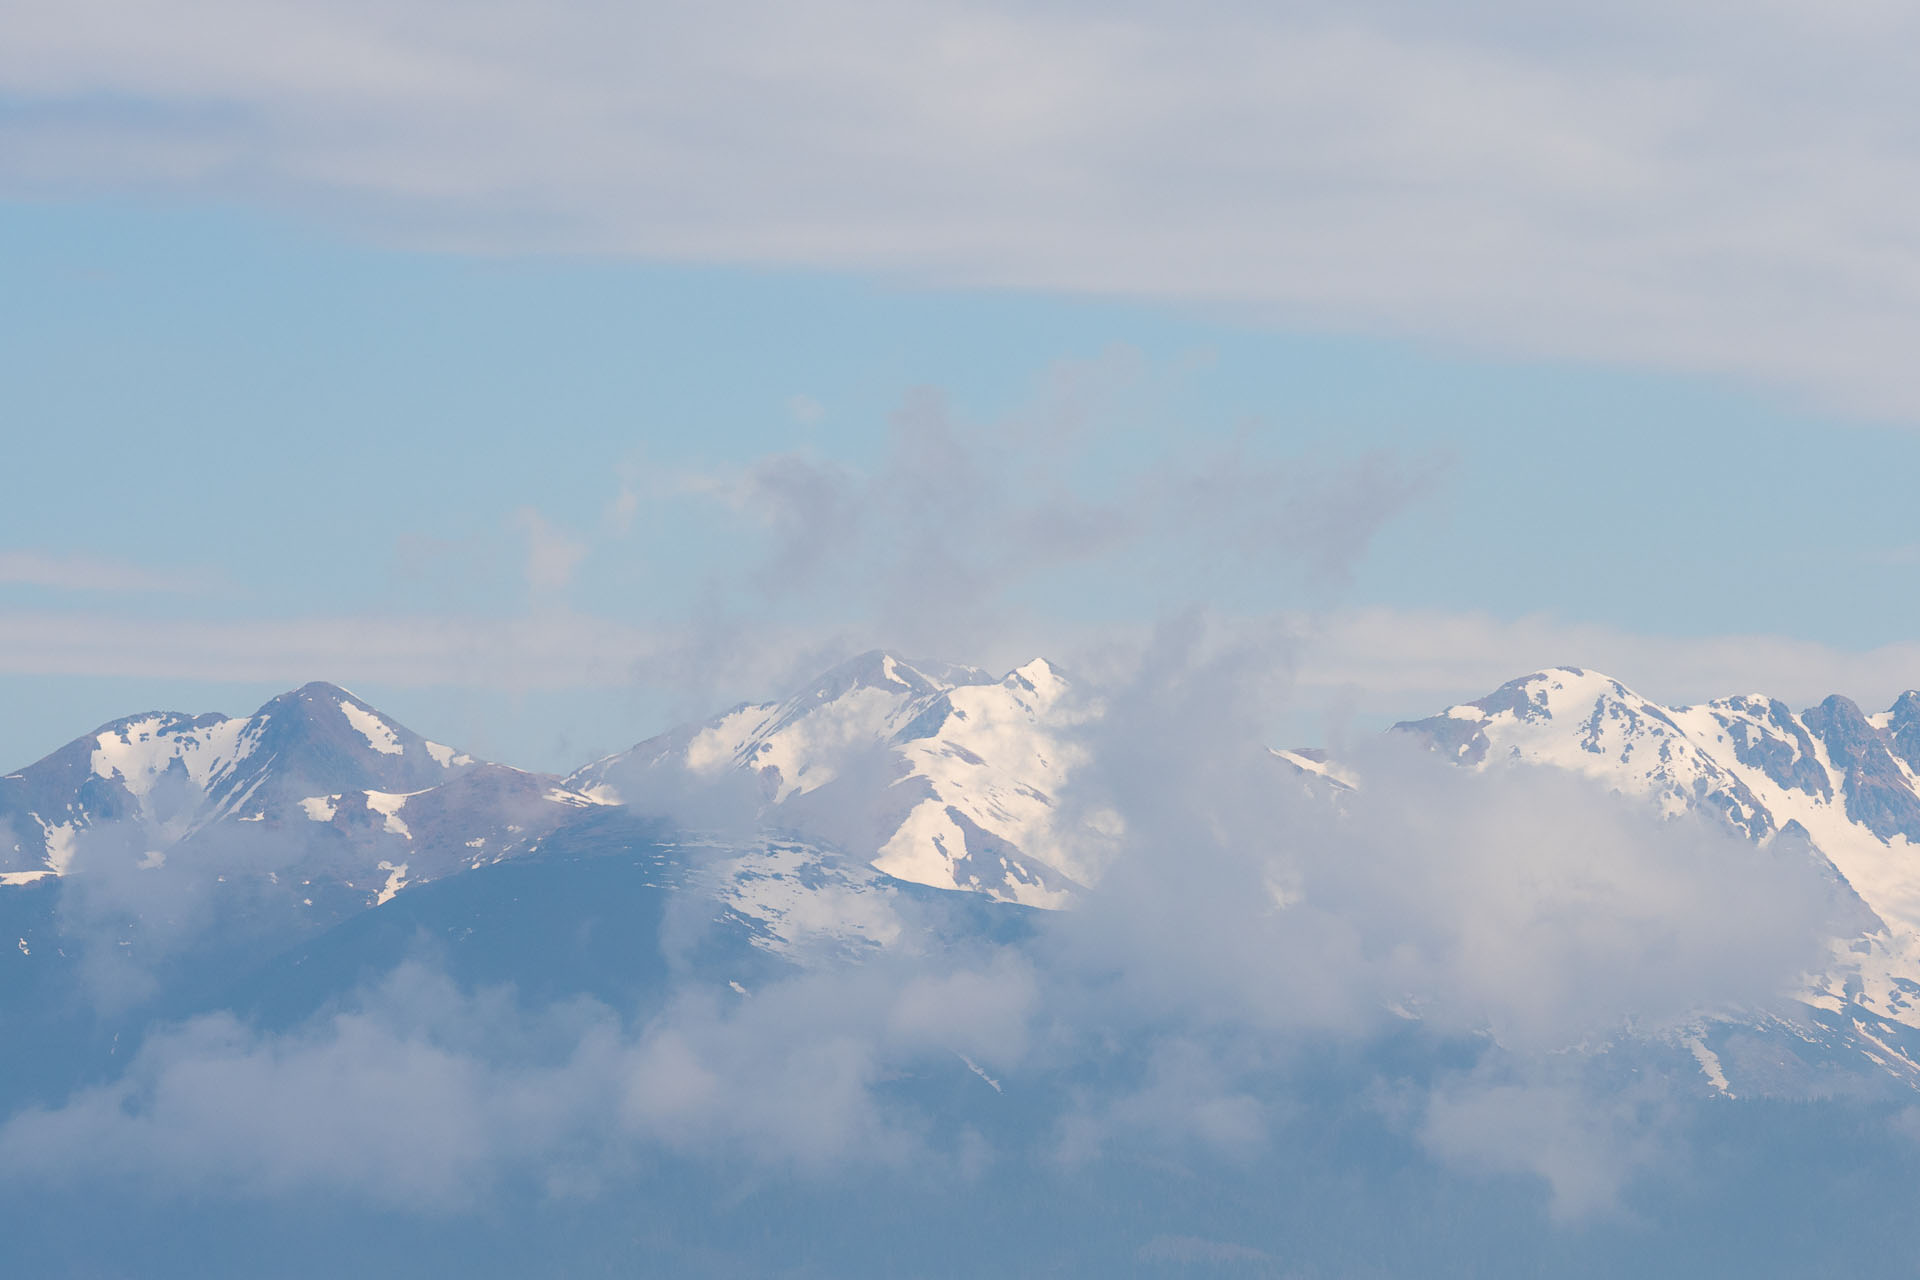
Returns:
<point x="378" y="733"/>
<point x="61" y="845"/>
<point x="396" y="881"/>
<point x="1318" y="766"/>
<point x="801" y="898"/>
<point x="388" y="805"/>
<point x="446" y="757"/>
<point x="1709" y="1064"/>
<point x="139" y="752"/>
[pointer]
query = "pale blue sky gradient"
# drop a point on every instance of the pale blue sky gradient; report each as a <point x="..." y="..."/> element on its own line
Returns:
<point x="308" y="426"/>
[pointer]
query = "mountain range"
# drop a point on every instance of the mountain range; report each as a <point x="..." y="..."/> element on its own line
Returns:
<point x="298" y="930"/>
<point x="828" y="821"/>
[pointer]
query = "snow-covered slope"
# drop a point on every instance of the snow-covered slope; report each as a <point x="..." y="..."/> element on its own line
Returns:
<point x="315" y="784"/>
<point x="942" y="776"/>
<point x="1842" y="780"/>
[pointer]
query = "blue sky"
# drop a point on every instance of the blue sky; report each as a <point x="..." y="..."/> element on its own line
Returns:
<point x="344" y="368"/>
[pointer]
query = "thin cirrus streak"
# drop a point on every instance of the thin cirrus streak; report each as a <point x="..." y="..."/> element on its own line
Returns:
<point x="1402" y="657"/>
<point x="21" y="568"/>
<point x="526" y="653"/>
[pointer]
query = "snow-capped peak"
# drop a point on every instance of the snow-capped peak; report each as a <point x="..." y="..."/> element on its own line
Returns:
<point x="943" y="775"/>
<point x="171" y="775"/>
<point x="1845" y="779"/>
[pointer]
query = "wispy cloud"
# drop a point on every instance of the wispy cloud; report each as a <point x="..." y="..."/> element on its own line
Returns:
<point x="553" y="555"/>
<point x="21" y="568"/>
<point x="562" y="651"/>
<point x="936" y="542"/>
<point x="1613" y="182"/>
<point x="1385" y="662"/>
<point x="1413" y="656"/>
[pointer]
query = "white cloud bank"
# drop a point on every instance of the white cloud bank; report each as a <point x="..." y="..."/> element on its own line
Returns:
<point x="1713" y="187"/>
